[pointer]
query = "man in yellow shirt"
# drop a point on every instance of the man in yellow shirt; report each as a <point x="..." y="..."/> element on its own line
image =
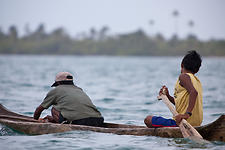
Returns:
<point x="187" y="95"/>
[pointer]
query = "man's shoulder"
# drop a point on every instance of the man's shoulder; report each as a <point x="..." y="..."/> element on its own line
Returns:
<point x="184" y="76"/>
<point x="52" y="91"/>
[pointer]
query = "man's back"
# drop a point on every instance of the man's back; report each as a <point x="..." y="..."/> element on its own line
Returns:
<point x="72" y="102"/>
<point x="182" y="101"/>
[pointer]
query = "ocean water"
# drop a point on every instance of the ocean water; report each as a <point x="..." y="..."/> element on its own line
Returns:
<point x="124" y="89"/>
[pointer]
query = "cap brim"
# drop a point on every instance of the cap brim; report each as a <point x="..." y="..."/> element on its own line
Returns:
<point x="54" y="84"/>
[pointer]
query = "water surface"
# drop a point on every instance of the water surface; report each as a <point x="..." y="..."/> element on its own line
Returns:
<point x="123" y="88"/>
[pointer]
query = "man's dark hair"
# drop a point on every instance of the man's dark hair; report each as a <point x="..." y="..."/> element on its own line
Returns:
<point x="192" y="61"/>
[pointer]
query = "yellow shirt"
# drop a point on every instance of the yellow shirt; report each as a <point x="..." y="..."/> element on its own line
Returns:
<point x="181" y="98"/>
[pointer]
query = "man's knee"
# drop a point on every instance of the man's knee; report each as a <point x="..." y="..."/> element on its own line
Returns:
<point x="148" y="121"/>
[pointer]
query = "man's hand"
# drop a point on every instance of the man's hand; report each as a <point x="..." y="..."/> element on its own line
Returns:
<point x="42" y="120"/>
<point x="49" y="118"/>
<point x="179" y="117"/>
<point x="164" y="90"/>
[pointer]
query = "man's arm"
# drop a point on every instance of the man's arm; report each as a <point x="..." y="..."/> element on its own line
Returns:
<point x="185" y="81"/>
<point x="38" y="112"/>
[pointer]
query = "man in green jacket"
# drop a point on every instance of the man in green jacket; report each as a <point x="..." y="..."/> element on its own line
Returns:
<point x="70" y="104"/>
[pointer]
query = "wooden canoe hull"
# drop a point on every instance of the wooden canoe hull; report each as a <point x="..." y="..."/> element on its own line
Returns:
<point x="214" y="131"/>
<point x="35" y="128"/>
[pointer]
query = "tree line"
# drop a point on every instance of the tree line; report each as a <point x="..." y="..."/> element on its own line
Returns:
<point x="99" y="42"/>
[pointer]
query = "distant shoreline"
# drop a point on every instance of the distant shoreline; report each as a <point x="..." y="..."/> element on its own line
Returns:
<point x="137" y="43"/>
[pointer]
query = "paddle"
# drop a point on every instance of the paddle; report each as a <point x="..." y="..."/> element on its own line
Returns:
<point x="186" y="129"/>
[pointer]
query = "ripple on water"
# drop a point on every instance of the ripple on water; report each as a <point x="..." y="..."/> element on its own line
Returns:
<point x="5" y="131"/>
<point x="28" y="113"/>
<point x="212" y="89"/>
<point x="108" y="100"/>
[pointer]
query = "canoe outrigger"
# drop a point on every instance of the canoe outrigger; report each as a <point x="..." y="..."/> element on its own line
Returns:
<point x="214" y="131"/>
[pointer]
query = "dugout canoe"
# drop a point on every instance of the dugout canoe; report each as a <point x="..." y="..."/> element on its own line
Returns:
<point x="214" y="131"/>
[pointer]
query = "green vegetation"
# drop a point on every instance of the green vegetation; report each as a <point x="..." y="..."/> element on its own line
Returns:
<point x="95" y="42"/>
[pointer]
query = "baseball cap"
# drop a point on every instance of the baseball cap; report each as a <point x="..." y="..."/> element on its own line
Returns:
<point x="63" y="76"/>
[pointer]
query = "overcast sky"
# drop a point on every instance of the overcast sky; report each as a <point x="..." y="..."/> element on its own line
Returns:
<point x="121" y="16"/>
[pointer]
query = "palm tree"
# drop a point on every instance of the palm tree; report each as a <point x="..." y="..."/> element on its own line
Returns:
<point x="103" y="32"/>
<point x="191" y="25"/>
<point x="93" y="33"/>
<point x="176" y="15"/>
<point x="151" y="23"/>
<point x="13" y="33"/>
